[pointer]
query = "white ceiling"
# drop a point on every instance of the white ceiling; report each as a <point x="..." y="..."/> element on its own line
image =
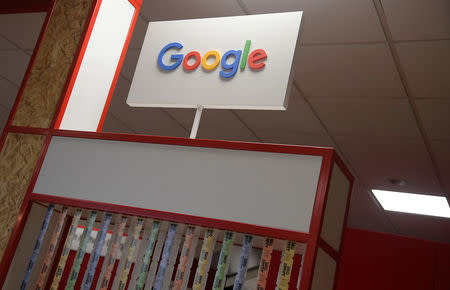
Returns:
<point x="372" y="79"/>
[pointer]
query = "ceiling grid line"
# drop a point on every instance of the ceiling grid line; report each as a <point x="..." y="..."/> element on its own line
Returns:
<point x="16" y="46"/>
<point x="246" y="125"/>
<point x="421" y="40"/>
<point x="175" y="120"/>
<point x="395" y="55"/>
<point x="9" y="81"/>
<point x="122" y="122"/>
<point x="341" y="43"/>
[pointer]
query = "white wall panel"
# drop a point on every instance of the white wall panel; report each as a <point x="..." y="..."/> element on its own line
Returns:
<point x="91" y="88"/>
<point x="336" y="203"/>
<point x="269" y="189"/>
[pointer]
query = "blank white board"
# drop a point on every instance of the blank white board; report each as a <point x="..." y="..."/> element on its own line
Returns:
<point x="98" y="67"/>
<point x="269" y="189"/>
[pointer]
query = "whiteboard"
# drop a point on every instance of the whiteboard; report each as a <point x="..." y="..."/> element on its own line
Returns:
<point x="268" y="189"/>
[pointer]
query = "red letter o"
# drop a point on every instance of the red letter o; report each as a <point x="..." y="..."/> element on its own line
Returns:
<point x="193" y="66"/>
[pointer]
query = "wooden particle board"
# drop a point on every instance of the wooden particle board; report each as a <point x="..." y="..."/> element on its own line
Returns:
<point x="17" y="162"/>
<point x="53" y="63"/>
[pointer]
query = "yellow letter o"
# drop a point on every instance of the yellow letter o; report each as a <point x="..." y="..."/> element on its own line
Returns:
<point x="213" y="65"/>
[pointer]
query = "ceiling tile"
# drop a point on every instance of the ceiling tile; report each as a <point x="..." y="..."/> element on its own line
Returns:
<point x="137" y="39"/>
<point x="184" y="116"/>
<point x="367" y="117"/>
<point x="13" y="65"/>
<point x="422" y="226"/>
<point x="8" y="93"/>
<point x="297" y="119"/>
<point x="215" y="124"/>
<point x="365" y="214"/>
<point x="158" y="10"/>
<point x="417" y="19"/>
<point x="22" y="29"/>
<point x="223" y="125"/>
<point x="295" y="138"/>
<point x="120" y="91"/>
<point x="328" y="21"/>
<point x="130" y="62"/>
<point x="427" y="67"/>
<point x="435" y="115"/>
<point x="115" y="125"/>
<point x="3" y="118"/>
<point x="359" y="70"/>
<point x="378" y="159"/>
<point x="441" y="150"/>
<point x="6" y="44"/>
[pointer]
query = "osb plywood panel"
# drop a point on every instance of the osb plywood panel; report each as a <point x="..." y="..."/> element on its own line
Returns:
<point x="54" y="59"/>
<point x="17" y="162"/>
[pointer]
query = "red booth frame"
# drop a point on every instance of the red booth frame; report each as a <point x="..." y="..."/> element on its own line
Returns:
<point x="312" y="239"/>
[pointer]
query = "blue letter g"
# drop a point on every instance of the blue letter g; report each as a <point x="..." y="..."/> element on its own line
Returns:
<point x="177" y="58"/>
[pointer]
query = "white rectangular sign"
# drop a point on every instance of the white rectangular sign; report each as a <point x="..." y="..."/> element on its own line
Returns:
<point x="261" y="188"/>
<point x="239" y="62"/>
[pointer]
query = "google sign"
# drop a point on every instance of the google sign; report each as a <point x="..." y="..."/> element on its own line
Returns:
<point x="255" y="59"/>
<point x="236" y="62"/>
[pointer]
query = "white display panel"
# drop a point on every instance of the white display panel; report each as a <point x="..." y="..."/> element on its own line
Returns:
<point x="248" y="89"/>
<point x="336" y="203"/>
<point x="324" y="271"/>
<point x="94" y="79"/>
<point x="269" y="189"/>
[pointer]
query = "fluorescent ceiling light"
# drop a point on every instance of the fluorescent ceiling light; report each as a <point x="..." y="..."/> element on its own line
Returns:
<point x="413" y="203"/>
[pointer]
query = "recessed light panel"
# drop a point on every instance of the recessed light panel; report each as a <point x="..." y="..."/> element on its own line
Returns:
<point x="413" y="203"/>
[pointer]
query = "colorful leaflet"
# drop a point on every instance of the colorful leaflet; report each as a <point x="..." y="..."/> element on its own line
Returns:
<point x="97" y="252"/>
<point x="165" y="257"/>
<point x="51" y="249"/>
<point x="37" y="246"/>
<point x="203" y="260"/>
<point x="243" y="263"/>
<point x="128" y="261"/>
<point x="263" y="270"/>
<point x="66" y="250"/>
<point x="184" y="257"/>
<point x="191" y="257"/>
<point x="223" y="261"/>
<point x="81" y="251"/>
<point x="157" y="254"/>
<point x="113" y="254"/>
<point x="148" y="254"/>
<point x="172" y="259"/>
<point x="286" y="268"/>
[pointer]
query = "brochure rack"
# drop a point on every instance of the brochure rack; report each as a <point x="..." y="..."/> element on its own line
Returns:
<point x="294" y="195"/>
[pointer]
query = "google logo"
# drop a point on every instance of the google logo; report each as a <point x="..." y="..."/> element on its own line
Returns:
<point x="255" y="59"/>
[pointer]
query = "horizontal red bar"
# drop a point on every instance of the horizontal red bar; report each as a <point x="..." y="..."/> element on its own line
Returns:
<point x="328" y="249"/>
<point x="234" y="145"/>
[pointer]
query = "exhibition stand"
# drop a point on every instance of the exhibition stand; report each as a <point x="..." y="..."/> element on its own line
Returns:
<point x="290" y="202"/>
<point x="94" y="210"/>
